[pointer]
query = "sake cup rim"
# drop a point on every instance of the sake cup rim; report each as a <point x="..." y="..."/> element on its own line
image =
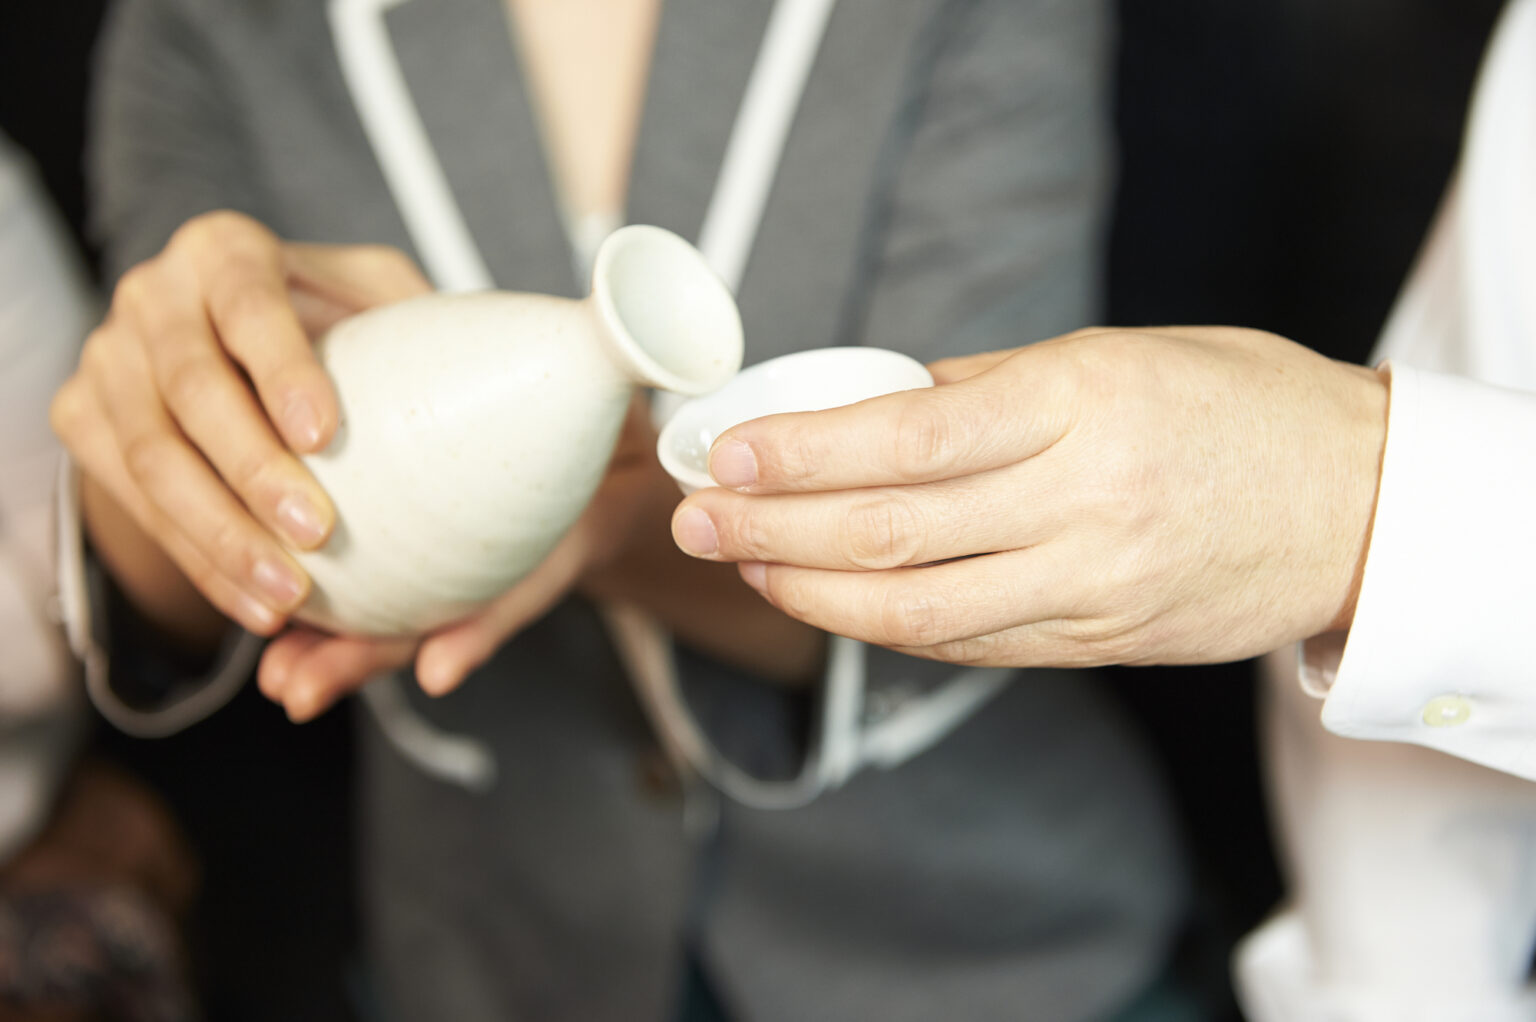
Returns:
<point x="896" y="372"/>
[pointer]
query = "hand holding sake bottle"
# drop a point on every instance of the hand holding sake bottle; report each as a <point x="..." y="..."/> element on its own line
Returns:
<point x="392" y="484"/>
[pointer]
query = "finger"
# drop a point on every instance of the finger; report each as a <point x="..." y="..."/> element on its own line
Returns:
<point x="215" y="409"/>
<point x="337" y="666"/>
<point x="1056" y="643"/>
<point x="963" y="367"/>
<point x="317" y="314"/>
<point x="245" y="293"/>
<point x="280" y="657"/>
<point x="1013" y="411"/>
<point x="354" y="277"/>
<point x="876" y="528"/>
<point x="78" y="417"/>
<point x="449" y="655"/>
<point x="929" y="605"/>
<point x="189" y="498"/>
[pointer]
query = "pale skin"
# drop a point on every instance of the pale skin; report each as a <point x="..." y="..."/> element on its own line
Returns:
<point x="1178" y="495"/>
<point x="586" y="63"/>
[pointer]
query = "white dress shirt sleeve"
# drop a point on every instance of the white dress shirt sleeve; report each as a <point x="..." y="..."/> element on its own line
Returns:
<point x="1411" y="876"/>
<point x="1440" y="653"/>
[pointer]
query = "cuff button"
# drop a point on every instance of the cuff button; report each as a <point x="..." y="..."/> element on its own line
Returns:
<point x="1447" y="711"/>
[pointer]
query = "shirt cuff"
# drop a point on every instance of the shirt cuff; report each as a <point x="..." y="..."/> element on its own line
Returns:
<point x="1437" y="653"/>
<point x="1277" y="979"/>
<point x="82" y="603"/>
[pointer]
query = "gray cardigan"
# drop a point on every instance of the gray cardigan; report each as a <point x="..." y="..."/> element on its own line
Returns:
<point x="942" y="191"/>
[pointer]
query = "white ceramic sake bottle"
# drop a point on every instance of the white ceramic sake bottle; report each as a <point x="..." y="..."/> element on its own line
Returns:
<point x="475" y="428"/>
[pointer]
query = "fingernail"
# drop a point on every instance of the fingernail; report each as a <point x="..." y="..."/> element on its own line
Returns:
<point x="301" y="520"/>
<point x="301" y="423"/>
<point x="256" y="616"/>
<point x="733" y="464"/>
<point x="695" y="533"/>
<point x="754" y="574"/>
<point x="281" y="584"/>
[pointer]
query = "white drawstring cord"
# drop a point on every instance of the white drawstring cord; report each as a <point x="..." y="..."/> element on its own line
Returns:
<point x="756" y="146"/>
<point x="399" y="139"/>
<point x="751" y="162"/>
<point x="235" y="660"/>
<point x="456" y="759"/>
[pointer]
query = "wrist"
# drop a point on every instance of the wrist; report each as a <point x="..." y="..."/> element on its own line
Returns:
<point x="1369" y="396"/>
<point x="144" y="574"/>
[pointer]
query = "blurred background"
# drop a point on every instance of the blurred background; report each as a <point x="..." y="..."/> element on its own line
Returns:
<point x="1279" y="164"/>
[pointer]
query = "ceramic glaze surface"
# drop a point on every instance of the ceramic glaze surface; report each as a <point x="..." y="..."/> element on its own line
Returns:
<point x="806" y="381"/>
<point x="475" y="428"/>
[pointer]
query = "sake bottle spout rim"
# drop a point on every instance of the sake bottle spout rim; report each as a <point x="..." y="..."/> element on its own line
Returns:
<point x="671" y="321"/>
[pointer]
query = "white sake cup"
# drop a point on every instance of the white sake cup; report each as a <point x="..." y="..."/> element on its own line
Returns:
<point x="806" y="381"/>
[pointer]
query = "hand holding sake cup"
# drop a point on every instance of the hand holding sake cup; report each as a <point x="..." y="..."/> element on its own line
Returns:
<point x="1112" y="496"/>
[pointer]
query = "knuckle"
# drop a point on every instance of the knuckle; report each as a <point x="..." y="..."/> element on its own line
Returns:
<point x="748" y="534"/>
<point x="1101" y="356"/>
<point x="792" y="461"/>
<point x="189" y="381"/>
<point x="244" y="294"/>
<point x="1125" y="495"/>
<point x="925" y="442"/>
<point x="1129" y="356"/>
<point x="217" y="228"/>
<point x="227" y="546"/>
<point x="1113" y="638"/>
<point x="97" y="356"/>
<point x="1123" y="574"/>
<point x="144" y="456"/>
<point x="978" y="651"/>
<point x="134" y="288"/>
<point x="1093" y="334"/>
<point x="912" y="618"/>
<point x="882" y="532"/>
<point x="96" y="345"/>
<point x="250" y="475"/>
<point x="1088" y="371"/>
<point x="67" y="412"/>
<point x="197" y="232"/>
